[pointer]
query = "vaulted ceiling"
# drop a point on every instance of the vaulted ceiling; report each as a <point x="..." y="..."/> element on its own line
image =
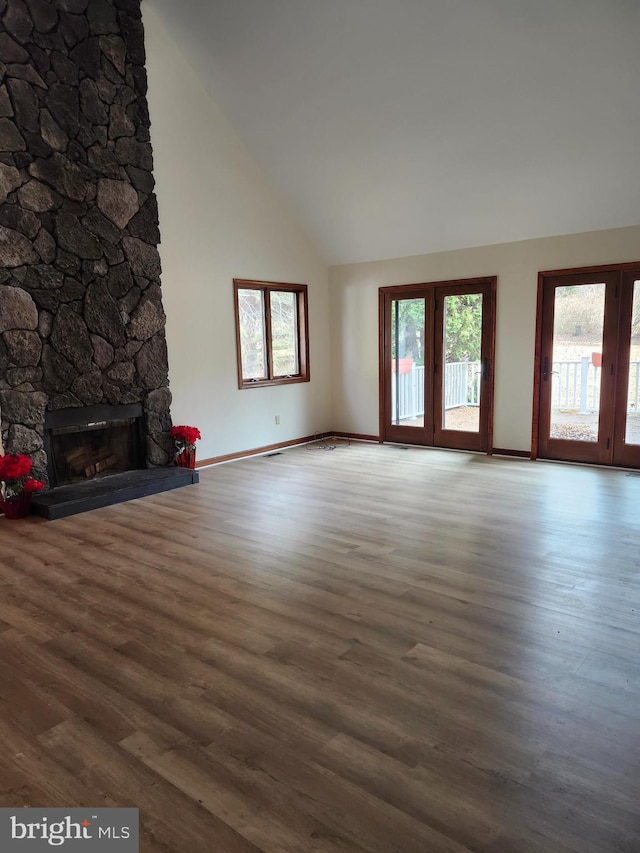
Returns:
<point x="398" y="127"/>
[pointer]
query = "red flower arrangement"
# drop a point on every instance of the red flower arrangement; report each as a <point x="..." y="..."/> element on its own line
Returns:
<point x="32" y="485"/>
<point x="14" y="467"/>
<point x="185" y="437"/>
<point x="16" y="483"/>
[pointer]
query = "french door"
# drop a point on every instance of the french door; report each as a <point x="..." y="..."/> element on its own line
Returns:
<point x="589" y="366"/>
<point x="436" y="363"/>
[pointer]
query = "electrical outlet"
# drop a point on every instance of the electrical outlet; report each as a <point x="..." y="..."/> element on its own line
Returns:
<point x="277" y="419"/>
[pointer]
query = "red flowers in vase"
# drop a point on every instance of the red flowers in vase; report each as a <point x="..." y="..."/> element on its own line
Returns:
<point x="185" y="438"/>
<point x="14" y="468"/>
<point x="16" y="485"/>
<point x="31" y="486"/>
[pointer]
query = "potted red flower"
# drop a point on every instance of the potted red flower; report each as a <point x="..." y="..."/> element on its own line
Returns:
<point x="185" y="438"/>
<point x="16" y="485"/>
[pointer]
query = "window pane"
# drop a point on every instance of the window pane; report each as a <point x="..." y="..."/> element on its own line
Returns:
<point x="407" y="362"/>
<point x="252" y="334"/>
<point x="632" y="432"/>
<point x="284" y="333"/>
<point x="578" y="328"/>
<point x="462" y="342"/>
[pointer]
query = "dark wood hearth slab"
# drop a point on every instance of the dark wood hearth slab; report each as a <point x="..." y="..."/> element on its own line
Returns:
<point x="80" y="497"/>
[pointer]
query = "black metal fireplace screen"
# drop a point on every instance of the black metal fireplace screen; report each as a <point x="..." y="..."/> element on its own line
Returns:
<point x="86" y="443"/>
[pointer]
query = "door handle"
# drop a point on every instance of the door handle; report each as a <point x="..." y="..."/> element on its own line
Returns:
<point x="545" y="369"/>
<point x="485" y="369"/>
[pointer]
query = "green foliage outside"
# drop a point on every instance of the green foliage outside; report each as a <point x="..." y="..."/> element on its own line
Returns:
<point x="463" y="328"/>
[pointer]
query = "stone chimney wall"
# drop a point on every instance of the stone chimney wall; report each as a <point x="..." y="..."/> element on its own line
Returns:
<point x="81" y="317"/>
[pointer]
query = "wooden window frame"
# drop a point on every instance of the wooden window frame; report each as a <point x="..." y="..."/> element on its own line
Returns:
<point x="302" y="301"/>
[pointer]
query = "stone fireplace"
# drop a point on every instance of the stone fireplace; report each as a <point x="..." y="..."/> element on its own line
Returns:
<point x="82" y="327"/>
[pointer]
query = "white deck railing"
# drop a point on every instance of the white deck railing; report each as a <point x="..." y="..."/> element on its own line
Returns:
<point x="461" y="388"/>
<point x="576" y="386"/>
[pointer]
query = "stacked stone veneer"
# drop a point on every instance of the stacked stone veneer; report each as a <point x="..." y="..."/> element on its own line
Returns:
<point x="81" y="318"/>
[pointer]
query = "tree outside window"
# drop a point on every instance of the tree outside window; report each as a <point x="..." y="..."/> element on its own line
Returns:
<point x="463" y="328"/>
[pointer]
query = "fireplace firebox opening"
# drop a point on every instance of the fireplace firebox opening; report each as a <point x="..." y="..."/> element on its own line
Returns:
<point x="96" y="441"/>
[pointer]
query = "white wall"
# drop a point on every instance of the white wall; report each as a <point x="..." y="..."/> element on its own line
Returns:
<point x="354" y="319"/>
<point x="219" y="220"/>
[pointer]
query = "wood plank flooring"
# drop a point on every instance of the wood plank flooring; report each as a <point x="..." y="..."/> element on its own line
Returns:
<point x="365" y="649"/>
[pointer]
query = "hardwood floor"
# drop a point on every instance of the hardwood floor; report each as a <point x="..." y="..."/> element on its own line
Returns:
<point x="369" y="649"/>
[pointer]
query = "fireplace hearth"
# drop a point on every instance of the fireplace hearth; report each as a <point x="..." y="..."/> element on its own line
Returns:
<point x="95" y="458"/>
<point x="106" y="491"/>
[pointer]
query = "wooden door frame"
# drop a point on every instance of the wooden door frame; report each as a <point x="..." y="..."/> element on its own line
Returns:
<point x="459" y="439"/>
<point x="573" y="450"/>
<point x="620" y="268"/>
<point x="385" y="298"/>
<point x="624" y="454"/>
<point x="416" y="289"/>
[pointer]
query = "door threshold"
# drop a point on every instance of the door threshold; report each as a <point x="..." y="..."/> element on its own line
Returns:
<point x="600" y="466"/>
<point x="399" y="445"/>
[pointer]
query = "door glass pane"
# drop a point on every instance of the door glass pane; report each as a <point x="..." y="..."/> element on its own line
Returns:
<point x="407" y="362"/>
<point x="252" y="336"/>
<point x="461" y="377"/>
<point x="576" y="362"/>
<point x="632" y="432"/>
<point x="284" y="332"/>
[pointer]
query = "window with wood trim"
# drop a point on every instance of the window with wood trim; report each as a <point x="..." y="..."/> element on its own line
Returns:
<point x="272" y="334"/>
